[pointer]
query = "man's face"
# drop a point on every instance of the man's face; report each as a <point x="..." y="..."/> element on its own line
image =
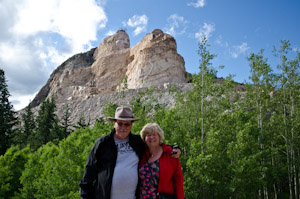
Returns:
<point x="122" y="129"/>
<point x="122" y="41"/>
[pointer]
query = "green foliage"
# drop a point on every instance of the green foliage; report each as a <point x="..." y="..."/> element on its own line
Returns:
<point x="81" y="123"/>
<point x="23" y="134"/>
<point x="109" y="109"/>
<point x="143" y="107"/>
<point x="36" y="166"/>
<point x="54" y="171"/>
<point x="28" y="119"/>
<point x="7" y="115"/>
<point x="237" y="144"/>
<point x="286" y="119"/>
<point x="124" y="85"/>
<point x="47" y="127"/>
<point x="65" y="120"/>
<point x="193" y="123"/>
<point x="12" y="164"/>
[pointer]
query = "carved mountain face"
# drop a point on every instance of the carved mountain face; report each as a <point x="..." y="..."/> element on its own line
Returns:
<point x="122" y="40"/>
<point x="114" y="66"/>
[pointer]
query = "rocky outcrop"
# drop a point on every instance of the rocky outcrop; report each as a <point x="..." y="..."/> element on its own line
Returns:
<point x="91" y="107"/>
<point x="72" y="73"/>
<point x="111" y="67"/>
<point x="155" y="61"/>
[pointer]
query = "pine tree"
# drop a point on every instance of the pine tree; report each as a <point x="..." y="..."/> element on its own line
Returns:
<point x="46" y="122"/>
<point x="7" y="115"/>
<point x="28" y="122"/>
<point x="66" y="120"/>
<point x="81" y="123"/>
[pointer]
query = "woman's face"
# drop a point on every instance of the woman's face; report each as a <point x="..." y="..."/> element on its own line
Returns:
<point x="152" y="139"/>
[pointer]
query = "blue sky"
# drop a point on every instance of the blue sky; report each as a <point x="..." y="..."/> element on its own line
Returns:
<point x="37" y="36"/>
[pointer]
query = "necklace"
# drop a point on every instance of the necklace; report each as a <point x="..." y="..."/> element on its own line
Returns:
<point x="152" y="155"/>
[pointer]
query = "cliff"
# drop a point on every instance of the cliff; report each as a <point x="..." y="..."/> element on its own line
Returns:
<point x="87" y="80"/>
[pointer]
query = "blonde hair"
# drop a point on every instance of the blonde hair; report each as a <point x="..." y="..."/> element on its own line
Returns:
<point x="150" y="128"/>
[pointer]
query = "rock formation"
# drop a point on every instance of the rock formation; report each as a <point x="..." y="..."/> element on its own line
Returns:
<point x="113" y="66"/>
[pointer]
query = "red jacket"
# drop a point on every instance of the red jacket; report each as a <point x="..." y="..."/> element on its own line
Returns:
<point x="170" y="175"/>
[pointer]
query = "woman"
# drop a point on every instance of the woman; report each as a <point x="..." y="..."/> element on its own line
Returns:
<point x="160" y="174"/>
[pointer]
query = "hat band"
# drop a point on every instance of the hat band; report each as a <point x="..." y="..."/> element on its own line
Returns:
<point x="125" y="116"/>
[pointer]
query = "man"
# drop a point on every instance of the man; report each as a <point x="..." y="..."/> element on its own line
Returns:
<point x="112" y="165"/>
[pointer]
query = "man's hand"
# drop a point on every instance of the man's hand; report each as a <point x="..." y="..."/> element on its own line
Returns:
<point x="176" y="152"/>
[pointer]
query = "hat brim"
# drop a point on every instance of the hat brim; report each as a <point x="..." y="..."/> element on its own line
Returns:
<point x="122" y="118"/>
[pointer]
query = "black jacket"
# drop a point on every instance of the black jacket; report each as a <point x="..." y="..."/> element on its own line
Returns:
<point x="99" y="169"/>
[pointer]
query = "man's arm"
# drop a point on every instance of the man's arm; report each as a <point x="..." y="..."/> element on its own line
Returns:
<point x="176" y="151"/>
<point x="90" y="174"/>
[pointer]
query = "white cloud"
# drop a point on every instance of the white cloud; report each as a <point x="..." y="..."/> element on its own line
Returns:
<point x="34" y="16"/>
<point x="24" y="69"/>
<point x="75" y="20"/>
<point x="206" y="31"/>
<point x="21" y="101"/>
<point x="137" y="22"/>
<point x="54" y="55"/>
<point x="199" y="3"/>
<point x="36" y="36"/>
<point x="220" y="42"/>
<point x="176" y="25"/>
<point x="238" y="50"/>
<point x="296" y="49"/>
<point x="111" y="32"/>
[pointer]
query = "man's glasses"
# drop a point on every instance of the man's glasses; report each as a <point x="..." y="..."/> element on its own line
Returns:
<point x="125" y="124"/>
